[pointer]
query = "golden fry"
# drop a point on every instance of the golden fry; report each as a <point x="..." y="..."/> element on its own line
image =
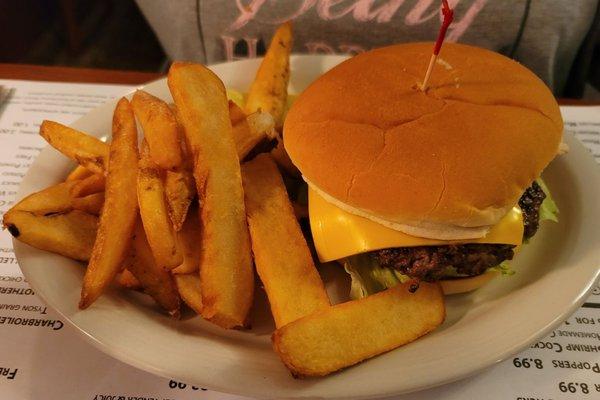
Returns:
<point x="126" y="280"/>
<point x="282" y="257"/>
<point x="227" y="276"/>
<point x="244" y="140"/>
<point x="117" y="221"/>
<point x="78" y="173"/>
<point x="59" y="199"/>
<point x="86" y="150"/>
<point x="347" y="333"/>
<point x="91" y="204"/>
<point x="160" y="129"/>
<point x="268" y="91"/>
<point x="156" y="282"/>
<point x="52" y="200"/>
<point x="282" y="159"/>
<point x="236" y="114"/>
<point x="180" y="191"/>
<point x="189" y="239"/>
<point x="262" y="124"/>
<point x="95" y="183"/>
<point x="180" y="187"/>
<point x="153" y="210"/>
<point x="189" y="289"/>
<point x="249" y="131"/>
<point x="70" y="234"/>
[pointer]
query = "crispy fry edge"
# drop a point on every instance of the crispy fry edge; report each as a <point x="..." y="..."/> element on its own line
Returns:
<point x="117" y="221"/>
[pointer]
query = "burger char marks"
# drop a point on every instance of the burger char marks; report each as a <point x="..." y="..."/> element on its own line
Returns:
<point x="430" y="263"/>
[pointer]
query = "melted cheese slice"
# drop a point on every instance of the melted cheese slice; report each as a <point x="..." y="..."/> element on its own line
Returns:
<point x="338" y="234"/>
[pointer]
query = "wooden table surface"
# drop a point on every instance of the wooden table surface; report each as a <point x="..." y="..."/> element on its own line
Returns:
<point x="88" y="75"/>
<point x="69" y="74"/>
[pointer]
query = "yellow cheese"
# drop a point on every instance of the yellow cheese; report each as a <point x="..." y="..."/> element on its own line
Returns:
<point x="338" y="234"/>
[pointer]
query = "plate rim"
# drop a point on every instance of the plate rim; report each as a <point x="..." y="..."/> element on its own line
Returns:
<point x="123" y="357"/>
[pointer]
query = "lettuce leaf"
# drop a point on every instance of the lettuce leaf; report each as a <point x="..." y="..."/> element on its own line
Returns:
<point x="504" y="268"/>
<point x="451" y="272"/>
<point x="237" y="97"/>
<point x="368" y="277"/>
<point x="548" y="209"/>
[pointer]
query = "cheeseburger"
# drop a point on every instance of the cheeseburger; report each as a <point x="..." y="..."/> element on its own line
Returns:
<point x="436" y="185"/>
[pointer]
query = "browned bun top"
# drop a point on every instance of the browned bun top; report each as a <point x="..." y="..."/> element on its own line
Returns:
<point x="459" y="154"/>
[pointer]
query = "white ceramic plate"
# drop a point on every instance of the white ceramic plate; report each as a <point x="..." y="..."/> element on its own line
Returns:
<point x="555" y="272"/>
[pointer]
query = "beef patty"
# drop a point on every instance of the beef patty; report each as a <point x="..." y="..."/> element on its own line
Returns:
<point x="431" y="263"/>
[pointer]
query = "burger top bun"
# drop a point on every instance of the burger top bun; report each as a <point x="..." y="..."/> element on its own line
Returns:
<point x="446" y="163"/>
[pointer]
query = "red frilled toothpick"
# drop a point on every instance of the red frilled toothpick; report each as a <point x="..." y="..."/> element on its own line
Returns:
<point x="448" y="16"/>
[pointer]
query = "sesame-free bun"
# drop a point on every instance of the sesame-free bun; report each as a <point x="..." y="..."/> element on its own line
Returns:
<point x="446" y="163"/>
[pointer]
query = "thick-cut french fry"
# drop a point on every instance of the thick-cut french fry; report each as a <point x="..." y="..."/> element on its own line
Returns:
<point x="154" y="213"/>
<point x="249" y="131"/>
<point x="59" y="199"/>
<point x="117" y="221"/>
<point x="86" y="150"/>
<point x="268" y="91"/>
<point x="70" y="234"/>
<point x="160" y="129"/>
<point x="52" y="200"/>
<point x="126" y="280"/>
<point x="236" y="114"/>
<point x="78" y="173"/>
<point x="282" y="257"/>
<point x="189" y="289"/>
<point x="282" y="159"/>
<point x="91" y="204"/>
<point x="95" y="183"/>
<point x="347" y="333"/>
<point x="180" y="191"/>
<point x="243" y="137"/>
<point x="157" y="282"/>
<point x="180" y="187"/>
<point x="262" y="123"/>
<point x="188" y="240"/>
<point x="227" y="277"/>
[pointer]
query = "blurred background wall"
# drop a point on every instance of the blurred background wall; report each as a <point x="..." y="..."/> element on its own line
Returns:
<point x="113" y="34"/>
<point x="109" y="34"/>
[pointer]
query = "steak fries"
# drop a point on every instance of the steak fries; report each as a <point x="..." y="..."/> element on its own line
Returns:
<point x="226" y="273"/>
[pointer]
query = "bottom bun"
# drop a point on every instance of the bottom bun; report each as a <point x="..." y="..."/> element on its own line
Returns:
<point x="463" y="285"/>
